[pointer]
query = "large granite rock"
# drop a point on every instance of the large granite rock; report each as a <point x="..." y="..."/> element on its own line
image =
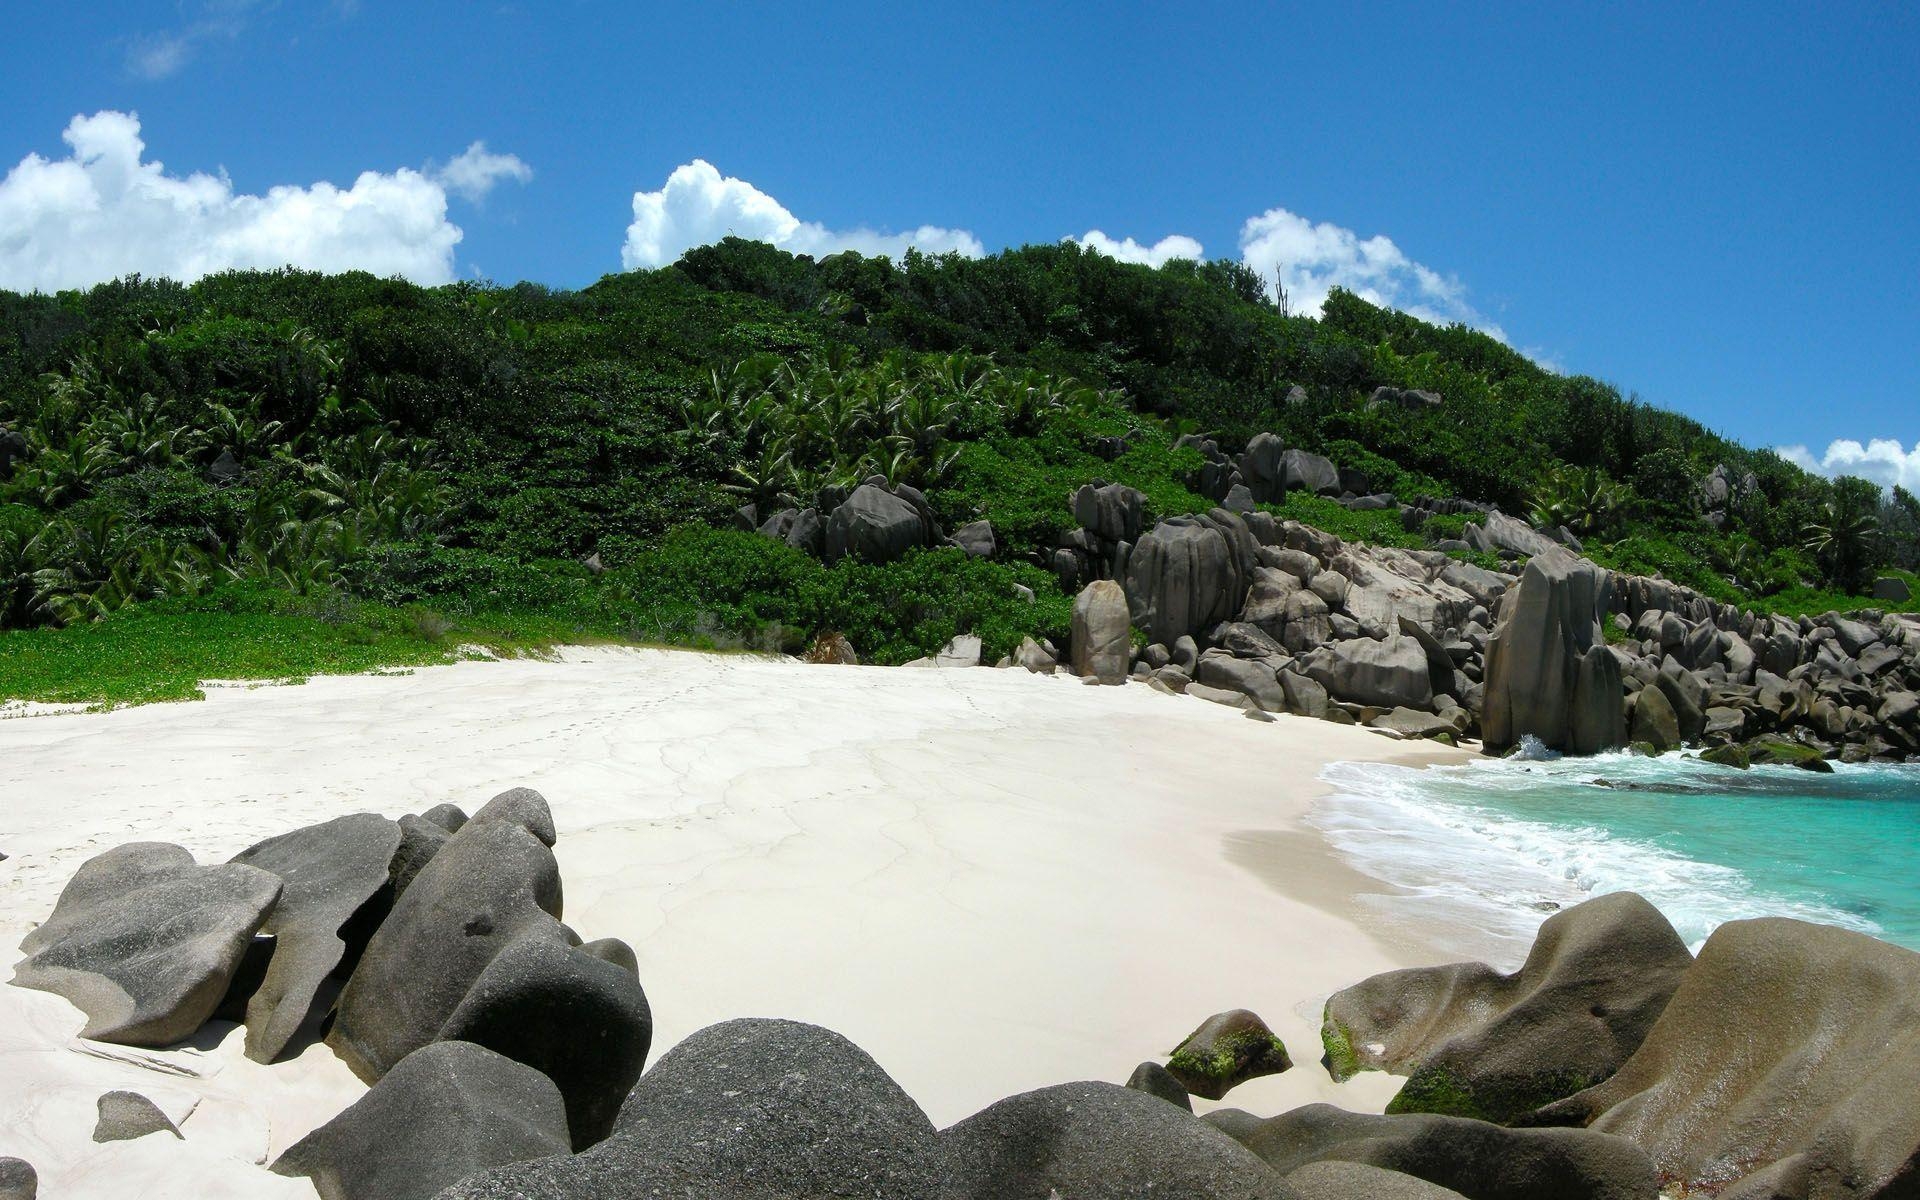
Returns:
<point x="1474" y="1158"/>
<point x="755" y="1110"/>
<point x="1188" y="574"/>
<point x="1500" y="532"/>
<point x="1391" y="673"/>
<point x="146" y="942"/>
<point x="1102" y="644"/>
<point x="1356" y="1181"/>
<point x="1548" y="670"/>
<point x="1156" y="1080"/>
<point x="1476" y="1043"/>
<point x="327" y="872"/>
<point x="445" y="1112"/>
<point x="1783" y="1068"/>
<point x="1654" y="721"/>
<point x="1112" y="512"/>
<point x="1227" y="1049"/>
<point x="576" y="1015"/>
<point x="1301" y="471"/>
<point x="1096" y="1141"/>
<point x="493" y="883"/>
<point x="876" y="525"/>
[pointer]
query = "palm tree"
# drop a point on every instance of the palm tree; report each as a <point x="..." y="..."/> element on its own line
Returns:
<point x="1842" y="539"/>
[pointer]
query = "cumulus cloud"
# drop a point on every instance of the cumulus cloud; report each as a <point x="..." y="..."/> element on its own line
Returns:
<point x="476" y="171"/>
<point x="104" y="211"/>
<point x="1883" y="460"/>
<point x="699" y="206"/>
<point x="1310" y="260"/>
<point x="1127" y="250"/>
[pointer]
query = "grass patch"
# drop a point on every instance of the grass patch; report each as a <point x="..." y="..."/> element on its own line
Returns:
<point x="162" y="652"/>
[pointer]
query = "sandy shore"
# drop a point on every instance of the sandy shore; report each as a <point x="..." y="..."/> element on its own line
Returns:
<point x="990" y="880"/>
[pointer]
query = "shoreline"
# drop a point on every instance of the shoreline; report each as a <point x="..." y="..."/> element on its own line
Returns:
<point x="991" y="880"/>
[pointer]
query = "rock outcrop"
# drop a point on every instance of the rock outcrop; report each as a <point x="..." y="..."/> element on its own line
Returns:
<point x="1102" y="633"/>
<point x="145" y="941"/>
<point x="755" y="1109"/>
<point x="1783" y="1067"/>
<point x="878" y="524"/>
<point x="1474" y="1158"/>
<point x="444" y="1113"/>
<point x="1189" y="574"/>
<point x="1549" y="673"/>
<point x="328" y="872"/>
<point x="1096" y="1141"/>
<point x="493" y="883"/>
<point x="1476" y="1043"/>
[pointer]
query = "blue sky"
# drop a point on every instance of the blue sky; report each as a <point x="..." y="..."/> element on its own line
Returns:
<point x="1718" y="210"/>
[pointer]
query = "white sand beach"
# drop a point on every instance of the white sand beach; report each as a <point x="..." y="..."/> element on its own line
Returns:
<point x="990" y="880"/>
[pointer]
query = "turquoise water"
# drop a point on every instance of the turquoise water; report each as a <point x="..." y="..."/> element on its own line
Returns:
<point x="1491" y="847"/>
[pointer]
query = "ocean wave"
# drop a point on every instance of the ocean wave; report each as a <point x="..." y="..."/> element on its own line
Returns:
<point x="1439" y="835"/>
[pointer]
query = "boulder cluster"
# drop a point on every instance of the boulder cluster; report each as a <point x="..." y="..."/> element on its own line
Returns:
<point x="506" y="1058"/>
<point x="1274" y="616"/>
<point x="1766" y="688"/>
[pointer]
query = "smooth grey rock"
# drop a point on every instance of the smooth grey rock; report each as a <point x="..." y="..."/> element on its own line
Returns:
<point x="1301" y="471"/>
<point x="1305" y="697"/>
<point x="1783" y="1067"/>
<point x="520" y="806"/>
<point x="1186" y="654"/>
<point x="575" y="1014"/>
<point x="1474" y="1042"/>
<point x="146" y="942"/>
<point x="1479" y="1160"/>
<point x="125" y="1116"/>
<point x="1306" y="622"/>
<point x="445" y="1112"/>
<point x="976" y="538"/>
<point x="420" y="840"/>
<point x="1412" y="723"/>
<point x="1500" y="532"/>
<point x="1102" y="632"/>
<point x="875" y="525"/>
<point x="18" y="1180"/>
<point x="492" y="883"/>
<point x="1357" y="1181"/>
<point x="1250" y="677"/>
<point x="1156" y="1080"/>
<point x="328" y="872"/>
<point x="1112" y="511"/>
<point x="1891" y="589"/>
<point x="1034" y="658"/>
<point x="1230" y="697"/>
<point x="1549" y="673"/>
<point x="449" y="817"/>
<point x="1189" y="574"/>
<point x="750" y="1109"/>
<point x="1654" y="721"/>
<point x="1390" y="673"/>
<point x="1096" y="1141"/>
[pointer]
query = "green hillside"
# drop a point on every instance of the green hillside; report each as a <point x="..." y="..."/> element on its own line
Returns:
<point x="366" y="463"/>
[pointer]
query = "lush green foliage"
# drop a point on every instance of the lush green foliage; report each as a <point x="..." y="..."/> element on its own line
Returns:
<point x="494" y="453"/>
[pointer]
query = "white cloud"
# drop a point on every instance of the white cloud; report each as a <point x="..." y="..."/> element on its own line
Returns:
<point x="1312" y="260"/>
<point x="1127" y="250"/>
<point x="1883" y="460"/>
<point x="699" y="206"/>
<point x="156" y="56"/>
<point x="103" y="212"/>
<point x="476" y="171"/>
